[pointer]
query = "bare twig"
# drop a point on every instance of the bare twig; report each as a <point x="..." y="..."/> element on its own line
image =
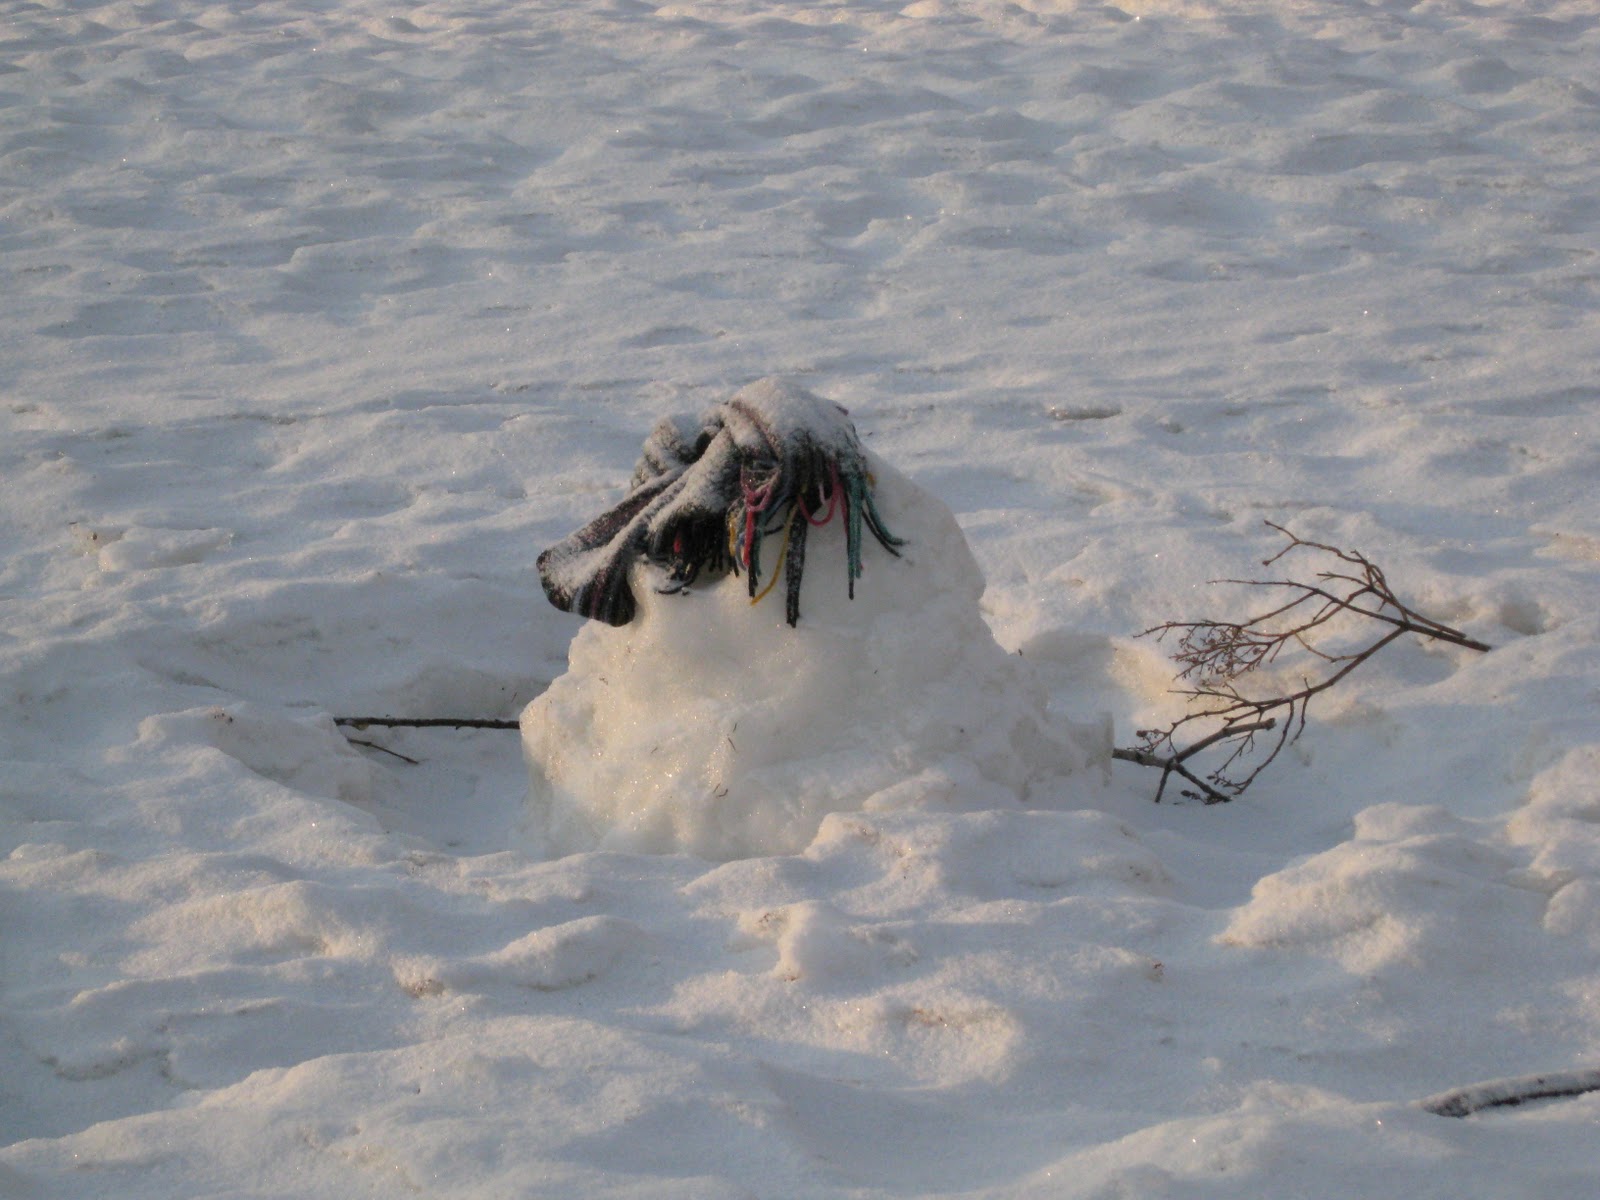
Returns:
<point x="1214" y="655"/>
<point x="414" y="723"/>
<point x="382" y="750"/>
<point x="1508" y="1093"/>
<point x="426" y="722"/>
<point x="1173" y="764"/>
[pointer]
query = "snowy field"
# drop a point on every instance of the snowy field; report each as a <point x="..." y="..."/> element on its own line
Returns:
<point x="323" y="317"/>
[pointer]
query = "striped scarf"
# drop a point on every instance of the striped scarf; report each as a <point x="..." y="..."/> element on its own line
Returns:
<point x="769" y="463"/>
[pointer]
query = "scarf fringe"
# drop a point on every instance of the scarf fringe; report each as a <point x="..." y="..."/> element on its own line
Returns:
<point x="773" y="461"/>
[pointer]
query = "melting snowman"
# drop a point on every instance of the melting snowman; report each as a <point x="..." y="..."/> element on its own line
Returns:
<point x="705" y="714"/>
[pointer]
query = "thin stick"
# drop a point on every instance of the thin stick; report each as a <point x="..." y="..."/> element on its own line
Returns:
<point x="426" y="722"/>
<point x="415" y="723"/>
<point x="1173" y="765"/>
<point x="1508" y="1093"/>
<point x="383" y="750"/>
<point x="1169" y="767"/>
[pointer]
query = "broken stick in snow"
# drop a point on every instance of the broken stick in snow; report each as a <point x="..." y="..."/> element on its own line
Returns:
<point x="426" y="722"/>
<point x="414" y="723"/>
<point x="1507" y="1093"/>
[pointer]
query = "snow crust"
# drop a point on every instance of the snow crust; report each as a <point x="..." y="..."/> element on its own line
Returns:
<point x="322" y="319"/>
<point x="708" y="725"/>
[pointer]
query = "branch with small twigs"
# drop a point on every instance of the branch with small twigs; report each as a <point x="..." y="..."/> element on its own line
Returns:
<point x="1216" y="655"/>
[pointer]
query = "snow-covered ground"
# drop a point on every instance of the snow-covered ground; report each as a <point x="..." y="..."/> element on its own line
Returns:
<point x="323" y="317"/>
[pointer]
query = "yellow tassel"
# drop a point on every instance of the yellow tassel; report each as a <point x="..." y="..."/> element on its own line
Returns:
<point x="783" y="551"/>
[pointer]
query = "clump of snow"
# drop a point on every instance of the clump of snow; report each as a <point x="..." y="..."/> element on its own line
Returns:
<point x="1410" y="889"/>
<point x="1560" y="825"/>
<point x="709" y="725"/>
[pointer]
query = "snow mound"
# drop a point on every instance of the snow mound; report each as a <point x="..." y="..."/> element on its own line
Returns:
<point x="708" y="725"/>
<point x="1411" y="889"/>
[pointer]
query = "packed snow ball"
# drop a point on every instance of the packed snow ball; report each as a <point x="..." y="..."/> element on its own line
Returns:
<point x="710" y="722"/>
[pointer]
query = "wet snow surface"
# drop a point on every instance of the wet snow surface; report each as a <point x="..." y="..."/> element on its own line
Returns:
<point x="322" y="319"/>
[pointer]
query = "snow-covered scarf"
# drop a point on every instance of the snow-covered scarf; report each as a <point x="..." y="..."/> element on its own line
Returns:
<point x="771" y="462"/>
